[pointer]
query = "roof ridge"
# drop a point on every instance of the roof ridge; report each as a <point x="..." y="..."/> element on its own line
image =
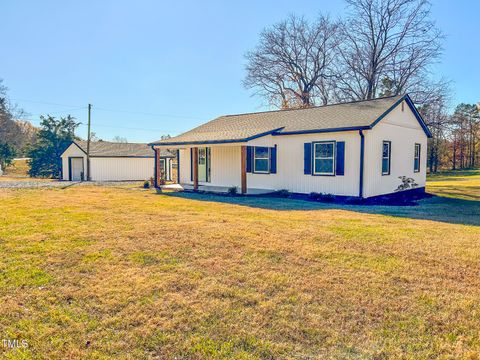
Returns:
<point x="312" y="107"/>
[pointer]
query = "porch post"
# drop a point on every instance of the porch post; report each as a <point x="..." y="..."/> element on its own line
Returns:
<point x="244" y="169"/>
<point x="158" y="173"/>
<point x="195" y="168"/>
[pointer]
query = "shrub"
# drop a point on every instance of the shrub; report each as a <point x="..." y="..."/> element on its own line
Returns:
<point x="232" y="191"/>
<point x="282" y="193"/>
<point x="146" y="184"/>
<point x="322" y="197"/>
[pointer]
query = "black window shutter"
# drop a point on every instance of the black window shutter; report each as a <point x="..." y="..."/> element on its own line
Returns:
<point x="191" y="164"/>
<point x="307" y="158"/>
<point x="249" y="158"/>
<point x="340" y="168"/>
<point x="273" y="160"/>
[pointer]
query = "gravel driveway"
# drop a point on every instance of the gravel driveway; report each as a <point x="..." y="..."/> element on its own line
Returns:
<point x="26" y="184"/>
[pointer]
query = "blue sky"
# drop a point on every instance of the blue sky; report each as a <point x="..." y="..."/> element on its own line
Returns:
<point x="161" y="67"/>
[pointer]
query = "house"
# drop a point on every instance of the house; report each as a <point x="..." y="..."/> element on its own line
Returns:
<point x="358" y="149"/>
<point x="111" y="161"/>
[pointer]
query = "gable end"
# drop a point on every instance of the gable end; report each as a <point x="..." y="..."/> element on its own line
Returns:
<point x="414" y="110"/>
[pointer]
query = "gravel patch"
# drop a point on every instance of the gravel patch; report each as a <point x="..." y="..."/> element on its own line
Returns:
<point x="60" y="184"/>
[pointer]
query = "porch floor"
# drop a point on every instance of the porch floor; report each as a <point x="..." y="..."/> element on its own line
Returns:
<point x="214" y="189"/>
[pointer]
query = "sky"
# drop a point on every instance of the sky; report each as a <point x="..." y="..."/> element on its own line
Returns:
<point x="151" y="68"/>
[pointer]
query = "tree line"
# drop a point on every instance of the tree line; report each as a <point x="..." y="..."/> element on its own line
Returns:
<point x="379" y="48"/>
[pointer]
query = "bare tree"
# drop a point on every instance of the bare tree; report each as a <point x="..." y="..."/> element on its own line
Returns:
<point x="119" y="139"/>
<point x="386" y="41"/>
<point x="292" y="64"/>
<point x="18" y="134"/>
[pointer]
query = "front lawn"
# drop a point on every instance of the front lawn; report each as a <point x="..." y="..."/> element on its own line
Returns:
<point x="117" y="272"/>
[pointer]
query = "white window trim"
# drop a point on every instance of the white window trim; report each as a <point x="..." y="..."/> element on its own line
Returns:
<point x="415" y="157"/>
<point x="333" y="157"/>
<point x="255" y="171"/>
<point x="389" y="157"/>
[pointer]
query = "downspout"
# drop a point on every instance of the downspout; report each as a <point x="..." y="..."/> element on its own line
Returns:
<point x="362" y="161"/>
<point x="155" y="167"/>
<point x="178" y="166"/>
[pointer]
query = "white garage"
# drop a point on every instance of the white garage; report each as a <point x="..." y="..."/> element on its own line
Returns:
<point x="114" y="162"/>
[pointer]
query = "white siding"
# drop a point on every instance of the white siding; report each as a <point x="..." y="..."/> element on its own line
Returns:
<point x="121" y="169"/>
<point x="403" y="130"/>
<point x="226" y="166"/>
<point x="110" y="168"/>
<point x="399" y="127"/>
<point x="184" y="166"/>
<point x="290" y="174"/>
<point x="72" y="151"/>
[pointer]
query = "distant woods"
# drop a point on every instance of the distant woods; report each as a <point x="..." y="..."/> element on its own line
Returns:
<point x="379" y="48"/>
<point x="15" y="135"/>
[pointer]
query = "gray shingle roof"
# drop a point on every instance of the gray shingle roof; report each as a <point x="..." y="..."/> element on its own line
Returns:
<point x="242" y="127"/>
<point x="111" y="149"/>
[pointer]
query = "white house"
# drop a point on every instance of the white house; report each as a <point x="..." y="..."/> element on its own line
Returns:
<point x="114" y="162"/>
<point x="357" y="149"/>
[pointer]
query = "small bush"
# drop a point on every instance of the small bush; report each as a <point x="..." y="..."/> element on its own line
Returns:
<point x="232" y="191"/>
<point x="282" y="193"/>
<point x="322" y="197"/>
<point x="146" y="184"/>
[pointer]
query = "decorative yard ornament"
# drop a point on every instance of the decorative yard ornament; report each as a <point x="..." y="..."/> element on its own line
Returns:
<point x="407" y="183"/>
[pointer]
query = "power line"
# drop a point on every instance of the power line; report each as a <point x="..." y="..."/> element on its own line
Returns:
<point x="148" y="114"/>
<point x="112" y="110"/>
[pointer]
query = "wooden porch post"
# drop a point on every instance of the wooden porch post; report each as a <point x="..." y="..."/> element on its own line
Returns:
<point x="158" y="173"/>
<point x="195" y="168"/>
<point x="244" y="169"/>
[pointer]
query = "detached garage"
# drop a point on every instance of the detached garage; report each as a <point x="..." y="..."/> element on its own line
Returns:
<point x="113" y="162"/>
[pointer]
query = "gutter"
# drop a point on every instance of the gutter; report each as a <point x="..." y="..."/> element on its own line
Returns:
<point x="362" y="162"/>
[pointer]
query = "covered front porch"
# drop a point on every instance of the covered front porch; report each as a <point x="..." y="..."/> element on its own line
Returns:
<point x="213" y="168"/>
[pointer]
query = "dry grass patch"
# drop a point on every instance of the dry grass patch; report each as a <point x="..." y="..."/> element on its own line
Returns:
<point x="102" y="272"/>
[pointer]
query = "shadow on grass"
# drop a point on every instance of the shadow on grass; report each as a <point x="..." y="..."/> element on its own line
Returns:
<point x="435" y="208"/>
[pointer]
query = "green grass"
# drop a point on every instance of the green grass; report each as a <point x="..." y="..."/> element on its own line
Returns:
<point x="117" y="272"/>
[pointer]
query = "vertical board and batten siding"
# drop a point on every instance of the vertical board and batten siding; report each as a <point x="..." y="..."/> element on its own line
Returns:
<point x="399" y="127"/>
<point x="184" y="161"/>
<point x="403" y="130"/>
<point x="72" y="151"/>
<point x="290" y="166"/>
<point x="224" y="165"/>
<point x="121" y="169"/>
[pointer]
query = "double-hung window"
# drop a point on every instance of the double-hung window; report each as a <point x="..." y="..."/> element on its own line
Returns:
<point x="416" y="159"/>
<point x="261" y="157"/>
<point x="324" y="158"/>
<point x="386" y="157"/>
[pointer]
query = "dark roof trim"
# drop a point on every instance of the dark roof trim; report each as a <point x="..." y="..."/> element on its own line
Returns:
<point x="226" y="141"/>
<point x="412" y="107"/>
<point x="126" y="157"/>
<point x="73" y="142"/>
<point x="316" y="131"/>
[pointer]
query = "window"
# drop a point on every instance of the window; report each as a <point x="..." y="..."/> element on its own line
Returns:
<point x="261" y="163"/>
<point x="416" y="160"/>
<point x="324" y="158"/>
<point x="202" y="156"/>
<point x="386" y="156"/>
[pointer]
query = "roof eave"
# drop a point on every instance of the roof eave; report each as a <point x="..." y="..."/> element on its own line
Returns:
<point x="316" y="131"/>
<point x="412" y="107"/>
<point x="212" y="142"/>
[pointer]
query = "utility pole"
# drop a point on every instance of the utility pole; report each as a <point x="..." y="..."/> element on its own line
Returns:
<point x="88" y="142"/>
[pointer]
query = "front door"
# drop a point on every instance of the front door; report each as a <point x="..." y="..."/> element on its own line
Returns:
<point x="204" y="164"/>
<point x="76" y="168"/>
